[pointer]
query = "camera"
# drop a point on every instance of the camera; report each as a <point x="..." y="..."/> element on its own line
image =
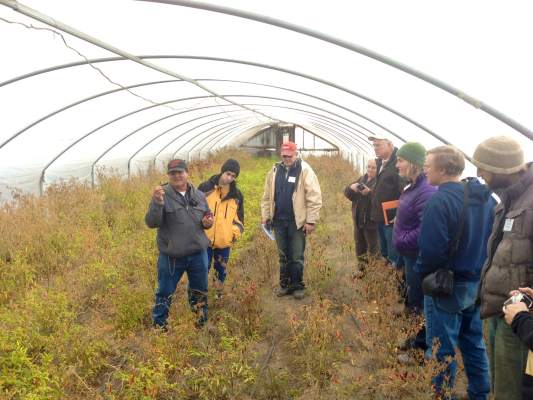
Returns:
<point x="360" y="186"/>
<point x="524" y="298"/>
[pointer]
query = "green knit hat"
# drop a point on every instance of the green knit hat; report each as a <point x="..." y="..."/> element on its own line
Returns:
<point x="413" y="152"/>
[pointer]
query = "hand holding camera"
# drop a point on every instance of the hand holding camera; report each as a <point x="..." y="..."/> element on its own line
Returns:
<point x="358" y="187"/>
<point x="520" y="300"/>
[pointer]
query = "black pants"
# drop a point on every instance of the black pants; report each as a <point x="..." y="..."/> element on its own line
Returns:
<point x="366" y="241"/>
<point x="291" y="247"/>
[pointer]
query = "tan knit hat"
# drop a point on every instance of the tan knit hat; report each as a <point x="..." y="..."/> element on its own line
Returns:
<point x="499" y="155"/>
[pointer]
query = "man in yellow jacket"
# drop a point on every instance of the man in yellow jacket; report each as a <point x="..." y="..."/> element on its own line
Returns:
<point x="291" y="203"/>
<point x="227" y="203"/>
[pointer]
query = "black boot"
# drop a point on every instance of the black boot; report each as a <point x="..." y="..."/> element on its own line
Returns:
<point x="198" y="304"/>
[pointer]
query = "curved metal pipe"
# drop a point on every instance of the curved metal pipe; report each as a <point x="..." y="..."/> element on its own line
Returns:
<point x="217" y="139"/>
<point x="343" y="127"/>
<point x="177" y="126"/>
<point x="249" y="63"/>
<point x="357" y="49"/>
<point x="42" y="180"/>
<point x="55" y="112"/>
<point x="247" y="104"/>
<point x="173" y="81"/>
<point x="174" y="127"/>
<point x="325" y="128"/>
<point x="153" y="83"/>
<point x="221" y="128"/>
<point x="366" y="143"/>
<point x="271" y="98"/>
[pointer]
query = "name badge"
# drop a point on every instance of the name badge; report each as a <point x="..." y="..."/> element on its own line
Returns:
<point x="292" y="179"/>
<point x="508" y="226"/>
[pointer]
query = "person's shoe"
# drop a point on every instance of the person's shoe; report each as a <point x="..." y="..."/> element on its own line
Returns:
<point x="161" y="328"/>
<point x="284" y="291"/>
<point x="200" y="323"/>
<point x="399" y="310"/>
<point x="358" y="274"/>
<point x="298" y="294"/>
<point x="408" y="344"/>
<point x="405" y="359"/>
<point x="411" y="358"/>
<point x="219" y="294"/>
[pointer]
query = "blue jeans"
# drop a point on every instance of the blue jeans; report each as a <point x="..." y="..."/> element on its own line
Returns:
<point x="291" y="247"/>
<point x="415" y="297"/>
<point x="454" y="321"/>
<point x="385" y="241"/>
<point x="169" y="273"/>
<point x="221" y="257"/>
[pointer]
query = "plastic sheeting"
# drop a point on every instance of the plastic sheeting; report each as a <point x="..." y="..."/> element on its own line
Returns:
<point x="118" y="114"/>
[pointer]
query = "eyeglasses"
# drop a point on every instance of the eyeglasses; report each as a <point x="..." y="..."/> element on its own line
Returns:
<point x="285" y="156"/>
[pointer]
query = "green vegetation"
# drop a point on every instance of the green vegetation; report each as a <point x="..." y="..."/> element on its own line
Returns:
<point x="77" y="278"/>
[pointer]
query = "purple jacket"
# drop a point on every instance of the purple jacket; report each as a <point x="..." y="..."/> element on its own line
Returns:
<point x="409" y="216"/>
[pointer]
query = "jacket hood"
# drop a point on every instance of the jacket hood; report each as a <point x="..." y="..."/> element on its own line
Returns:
<point x="478" y="193"/>
<point x="213" y="181"/>
<point x="526" y="180"/>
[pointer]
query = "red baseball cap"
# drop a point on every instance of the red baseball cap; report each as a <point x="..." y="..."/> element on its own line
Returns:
<point x="288" y="149"/>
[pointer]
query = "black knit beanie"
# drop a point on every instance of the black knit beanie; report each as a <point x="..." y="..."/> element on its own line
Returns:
<point x="232" y="166"/>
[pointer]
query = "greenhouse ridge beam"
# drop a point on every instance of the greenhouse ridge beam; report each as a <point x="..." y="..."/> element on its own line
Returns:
<point x="357" y="49"/>
<point x="32" y="13"/>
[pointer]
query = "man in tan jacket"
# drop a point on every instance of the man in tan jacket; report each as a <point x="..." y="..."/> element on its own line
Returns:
<point x="291" y="203"/>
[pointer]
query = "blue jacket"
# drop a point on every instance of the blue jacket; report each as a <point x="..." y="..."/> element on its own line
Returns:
<point x="439" y="223"/>
<point x="409" y="216"/>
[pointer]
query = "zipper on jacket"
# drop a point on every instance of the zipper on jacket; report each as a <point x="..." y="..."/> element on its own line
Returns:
<point x="215" y="222"/>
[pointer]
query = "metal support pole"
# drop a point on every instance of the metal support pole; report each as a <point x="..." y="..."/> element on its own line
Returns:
<point x="357" y="49"/>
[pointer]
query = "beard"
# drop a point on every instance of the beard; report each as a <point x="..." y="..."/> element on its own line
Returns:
<point x="499" y="182"/>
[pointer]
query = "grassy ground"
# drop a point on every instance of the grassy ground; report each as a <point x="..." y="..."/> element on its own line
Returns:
<point x="77" y="277"/>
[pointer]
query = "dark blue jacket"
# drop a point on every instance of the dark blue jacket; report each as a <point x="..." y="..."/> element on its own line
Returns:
<point x="439" y="224"/>
<point x="286" y="182"/>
